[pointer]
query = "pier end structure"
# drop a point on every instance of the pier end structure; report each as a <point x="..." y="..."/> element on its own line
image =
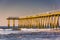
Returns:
<point x="13" y="19"/>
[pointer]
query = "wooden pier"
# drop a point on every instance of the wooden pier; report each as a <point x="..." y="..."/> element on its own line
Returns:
<point x="46" y="20"/>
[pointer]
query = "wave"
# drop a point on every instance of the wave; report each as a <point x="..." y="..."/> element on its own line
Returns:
<point x="27" y="31"/>
<point x="22" y="31"/>
<point x="8" y="31"/>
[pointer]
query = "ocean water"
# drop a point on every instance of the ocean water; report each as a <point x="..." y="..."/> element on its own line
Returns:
<point x="9" y="34"/>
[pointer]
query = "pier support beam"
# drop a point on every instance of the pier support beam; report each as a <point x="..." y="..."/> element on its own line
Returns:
<point x="13" y="23"/>
<point x="8" y="23"/>
<point x="56" y="21"/>
<point x="18" y="23"/>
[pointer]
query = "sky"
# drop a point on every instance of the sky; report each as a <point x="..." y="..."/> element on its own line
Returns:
<point x="19" y="8"/>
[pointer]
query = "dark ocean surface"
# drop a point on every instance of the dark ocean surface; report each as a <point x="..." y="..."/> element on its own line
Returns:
<point x="9" y="34"/>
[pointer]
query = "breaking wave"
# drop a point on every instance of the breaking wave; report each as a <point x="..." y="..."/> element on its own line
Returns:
<point x="9" y="34"/>
<point x="8" y="31"/>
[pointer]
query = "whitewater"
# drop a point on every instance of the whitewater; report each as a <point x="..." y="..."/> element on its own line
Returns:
<point x="28" y="34"/>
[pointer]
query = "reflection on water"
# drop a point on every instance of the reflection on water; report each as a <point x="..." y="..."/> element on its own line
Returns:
<point x="8" y="34"/>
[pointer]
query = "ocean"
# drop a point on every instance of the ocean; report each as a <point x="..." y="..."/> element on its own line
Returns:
<point x="9" y="34"/>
